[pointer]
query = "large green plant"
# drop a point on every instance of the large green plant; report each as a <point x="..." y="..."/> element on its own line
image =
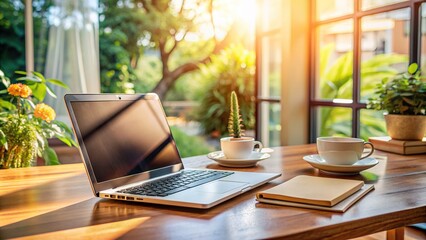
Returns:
<point x="403" y="94"/>
<point x="232" y="70"/>
<point x="336" y="82"/>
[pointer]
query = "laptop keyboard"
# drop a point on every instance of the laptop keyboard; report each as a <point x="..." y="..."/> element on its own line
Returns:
<point x="176" y="183"/>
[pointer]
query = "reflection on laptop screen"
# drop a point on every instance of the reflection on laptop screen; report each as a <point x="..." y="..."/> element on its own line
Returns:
<point x="124" y="137"/>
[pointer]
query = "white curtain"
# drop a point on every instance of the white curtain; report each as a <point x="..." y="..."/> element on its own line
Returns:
<point x="73" y="52"/>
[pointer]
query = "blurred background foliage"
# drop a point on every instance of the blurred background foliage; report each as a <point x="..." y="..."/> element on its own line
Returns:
<point x="336" y="82"/>
<point x="12" y="37"/>
<point x="232" y="70"/>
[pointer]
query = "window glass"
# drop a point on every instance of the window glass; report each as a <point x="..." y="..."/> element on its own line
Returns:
<point x="334" y="61"/>
<point x="43" y="12"/>
<point x="372" y="123"/>
<point x="270" y="122"/>
<point x="385" y="48"/>
<point x="271" y="15"/>
<point x="326" y="9"/>
<point x="369" y="4"/>
<point x="12" y="35"/>
<point x="333" y="121"/>
<point x="423" y="38"/>
<point x="271" y="67"/>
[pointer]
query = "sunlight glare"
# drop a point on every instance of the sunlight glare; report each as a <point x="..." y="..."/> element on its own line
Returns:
<point x="246" y="13"/>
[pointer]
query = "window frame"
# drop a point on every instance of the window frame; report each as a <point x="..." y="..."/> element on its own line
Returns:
<point x="262" y="34"/>
<point x="356" y="16"/>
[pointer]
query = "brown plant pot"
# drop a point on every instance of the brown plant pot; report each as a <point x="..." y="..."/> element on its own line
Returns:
<point x="405" y="127"/>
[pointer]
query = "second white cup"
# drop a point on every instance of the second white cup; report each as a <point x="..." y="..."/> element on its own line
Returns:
<point x="342" y="150"/>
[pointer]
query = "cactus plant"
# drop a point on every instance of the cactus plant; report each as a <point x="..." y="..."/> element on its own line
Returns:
<point x="235" y="126"/>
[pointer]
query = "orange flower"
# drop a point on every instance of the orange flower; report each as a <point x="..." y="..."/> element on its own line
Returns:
<point x="19" y="90"/>
<point x="44" y="112"/>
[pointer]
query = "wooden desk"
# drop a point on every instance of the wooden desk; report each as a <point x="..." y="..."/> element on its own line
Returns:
<point x="56" y="201"/>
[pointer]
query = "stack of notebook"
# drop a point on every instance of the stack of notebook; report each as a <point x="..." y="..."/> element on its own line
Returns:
<point x="399" y="146"/>
<point x="321" y="193"/>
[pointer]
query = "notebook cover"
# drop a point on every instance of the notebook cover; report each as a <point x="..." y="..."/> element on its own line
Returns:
<point x="399" y="146"/>
<point x="340" y="207"/>
<point x="313" y="190"/>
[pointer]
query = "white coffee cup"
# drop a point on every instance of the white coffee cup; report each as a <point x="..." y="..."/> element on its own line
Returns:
<point x="342" y="150"/>
<point x="239" y="148"/>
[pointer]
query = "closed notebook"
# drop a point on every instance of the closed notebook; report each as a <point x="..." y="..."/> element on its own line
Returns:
<point x="340" y="207"/>
<point x="313" y="190"/>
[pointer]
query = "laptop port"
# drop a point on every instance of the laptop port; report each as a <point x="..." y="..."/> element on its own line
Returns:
<point x="139" y="199"/>
<point x="130" y="198"/>
<point x="121" y="197"/>
<point x="112" y="196"/>
<point x="106" y="195"/>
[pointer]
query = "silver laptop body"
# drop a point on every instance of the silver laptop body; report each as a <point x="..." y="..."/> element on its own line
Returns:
<point x="125" y="141"/>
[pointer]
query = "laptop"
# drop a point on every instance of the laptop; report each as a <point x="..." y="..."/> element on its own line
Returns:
<point x="129" y="154"/>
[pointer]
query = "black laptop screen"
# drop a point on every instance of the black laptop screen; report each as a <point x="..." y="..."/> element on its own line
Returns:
<point x="124" y="137"/>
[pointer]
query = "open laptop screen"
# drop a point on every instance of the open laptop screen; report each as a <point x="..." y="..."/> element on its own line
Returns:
<point x="125" y="137"/>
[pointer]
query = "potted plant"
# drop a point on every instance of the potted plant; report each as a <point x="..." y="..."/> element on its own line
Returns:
<point x="26" y="122"/>
<point x="235" y="125"/>
<point x="237" y="146"/>
<point x="403" y="98"/>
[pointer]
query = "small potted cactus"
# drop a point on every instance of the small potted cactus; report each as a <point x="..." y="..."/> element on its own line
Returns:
<point x="236" y="146"/>
<point x="235" y="123"/>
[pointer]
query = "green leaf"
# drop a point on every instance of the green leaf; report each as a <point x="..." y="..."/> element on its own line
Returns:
<point x="40" y="76"/>
<point x="41" y="140"/>
<point x="412" y="68"/>
<point x="30" y="103"/>
<point x="3" y="139"/>
<point x="6" y="104"/>
<point x="67" y="135"/>
<point x="39" y="91"/>
<point x="213" y="109"/>
<point x="68" y="141"/>
<point x="325" y="54"/>
<point x="58" y="83"/>
<point x="3" y="91"/>
<point x="30" y="79"/>
<point x="50" y="92"/>
<point x="21" y="72"/>
<point x="50" y="157"/>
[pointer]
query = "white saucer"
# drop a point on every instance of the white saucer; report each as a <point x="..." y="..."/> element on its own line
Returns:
<point x="255" y="157"/>
<point x="317" y="162"/>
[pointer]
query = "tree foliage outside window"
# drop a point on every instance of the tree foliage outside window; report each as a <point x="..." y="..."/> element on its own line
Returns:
<point x="182" y="34"/>
<point x="232" y="70"/>
<point x="336" y="83"/>
<point x="12" y="37"/>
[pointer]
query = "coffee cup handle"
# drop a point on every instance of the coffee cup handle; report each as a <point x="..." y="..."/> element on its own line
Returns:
<point x="372" y="149"/>
<point x="259" y="149"/>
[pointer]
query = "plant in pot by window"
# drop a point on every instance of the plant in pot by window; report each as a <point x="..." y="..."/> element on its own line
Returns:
<point x="237" y="146"/>
<point x="403" y="98"/>
<point x="26" y="122"/>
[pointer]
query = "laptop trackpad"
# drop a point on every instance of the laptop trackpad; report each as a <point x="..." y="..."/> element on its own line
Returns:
<point x="220" y="186"/>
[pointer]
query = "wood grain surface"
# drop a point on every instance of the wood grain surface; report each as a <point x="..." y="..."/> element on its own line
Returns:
<point x="56" y="202"/>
